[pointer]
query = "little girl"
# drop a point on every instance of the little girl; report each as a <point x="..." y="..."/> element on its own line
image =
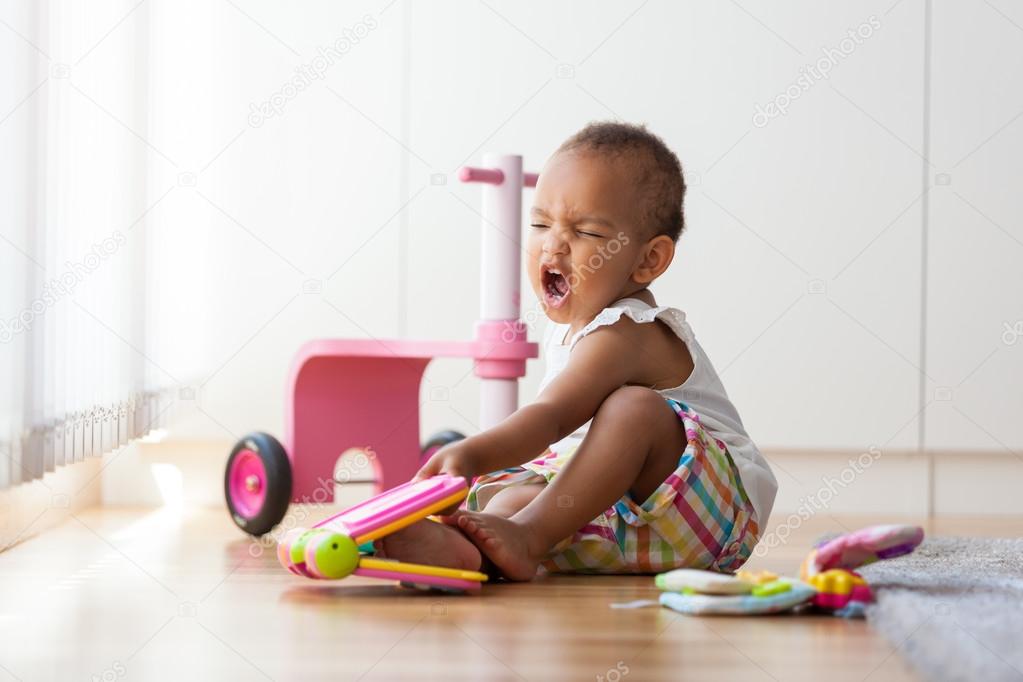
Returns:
<point x="632" y="459"/>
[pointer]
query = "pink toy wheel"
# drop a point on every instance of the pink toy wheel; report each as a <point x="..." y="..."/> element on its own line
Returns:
<point x="257" y="483"/>
<point x="436" y="442"/>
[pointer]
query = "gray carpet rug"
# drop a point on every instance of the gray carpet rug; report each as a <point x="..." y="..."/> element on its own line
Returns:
<point x="953" y="608"/>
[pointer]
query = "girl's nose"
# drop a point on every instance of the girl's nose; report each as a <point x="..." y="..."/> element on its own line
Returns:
<point x="554" y="242"/>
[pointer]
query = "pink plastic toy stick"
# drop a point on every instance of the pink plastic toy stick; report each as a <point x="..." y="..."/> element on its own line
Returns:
<point x="418" y="579"/>
<point x="490" y="176"/>
<point x="393" y="505"/>
<point x="529" y="179"/>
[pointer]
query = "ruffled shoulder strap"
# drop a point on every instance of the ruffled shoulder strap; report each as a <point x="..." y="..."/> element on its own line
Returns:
<point x="639" y="312"/>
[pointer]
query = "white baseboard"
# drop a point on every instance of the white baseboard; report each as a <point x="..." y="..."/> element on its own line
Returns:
<point x="851" y="483"/>
<point x="189" y="472"/>
<point x="899" y="482"/>
<point x="888" y="483"/>
<point x="978" y="483"/>
<point x="28" y="509"/>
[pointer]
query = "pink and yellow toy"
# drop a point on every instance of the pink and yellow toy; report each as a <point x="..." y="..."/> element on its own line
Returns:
<point x="829" y="568"/>
<point x="828" y="583"/>
<point x="364" y="394"/>
<point x="330" y="550"/>
<point x="837" y="587"/>
<point x="862" y="547"/>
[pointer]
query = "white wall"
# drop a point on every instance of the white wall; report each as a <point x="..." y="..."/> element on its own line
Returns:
<point x="975" y="279"/>
<point x="870" y="236"/>
<point x="771" y="209"/>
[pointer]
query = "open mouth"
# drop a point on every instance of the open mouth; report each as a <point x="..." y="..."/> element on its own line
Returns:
<point x="555" y="286"/>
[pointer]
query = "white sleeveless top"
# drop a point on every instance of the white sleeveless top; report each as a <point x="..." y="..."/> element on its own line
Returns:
<point x="702" y="391"/>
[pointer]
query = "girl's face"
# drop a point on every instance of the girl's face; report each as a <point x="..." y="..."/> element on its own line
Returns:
<point x="583" y="243"/>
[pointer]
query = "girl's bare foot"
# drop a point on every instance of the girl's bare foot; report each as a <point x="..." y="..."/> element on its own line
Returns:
<point x="431" y="543"/>
<point x="505" y="542"/>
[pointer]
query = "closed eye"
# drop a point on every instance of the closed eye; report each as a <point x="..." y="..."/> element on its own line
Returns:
<point x="591" y="234"/>
<point x="539" y="226"/>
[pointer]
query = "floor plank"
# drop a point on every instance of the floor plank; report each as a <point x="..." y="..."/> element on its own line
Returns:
<point x="116" y="594"/>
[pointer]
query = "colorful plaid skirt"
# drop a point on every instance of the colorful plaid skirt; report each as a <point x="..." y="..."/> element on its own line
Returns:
<point x="699" y="517"/>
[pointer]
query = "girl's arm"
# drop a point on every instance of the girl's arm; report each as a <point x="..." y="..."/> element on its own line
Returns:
<point x="600" y="363"/>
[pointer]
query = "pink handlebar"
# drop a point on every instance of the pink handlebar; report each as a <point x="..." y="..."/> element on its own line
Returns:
<point x="492" y="176"/>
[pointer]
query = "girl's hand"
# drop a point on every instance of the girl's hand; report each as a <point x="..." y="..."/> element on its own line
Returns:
<point x="456" y="459"/>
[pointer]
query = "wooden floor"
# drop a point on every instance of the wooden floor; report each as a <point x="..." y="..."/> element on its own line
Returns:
<point x="175" y="594"/>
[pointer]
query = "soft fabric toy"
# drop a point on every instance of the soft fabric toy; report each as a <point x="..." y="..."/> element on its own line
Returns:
<point x="829" y="567"/>
<point x="829" y="581"/>
<point x="697" y="592"/>
<point x="756" y="577"/>
<point x="781" y="595"/>
<point x="689" y="580"/>
<point x="862" y="547"/>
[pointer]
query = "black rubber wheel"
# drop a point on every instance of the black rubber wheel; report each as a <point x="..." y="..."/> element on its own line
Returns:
<point x="436" y="442"/>
<point x="257" y="483"/>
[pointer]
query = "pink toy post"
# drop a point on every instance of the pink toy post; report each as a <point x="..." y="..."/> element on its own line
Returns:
<point x="359" y="393"/>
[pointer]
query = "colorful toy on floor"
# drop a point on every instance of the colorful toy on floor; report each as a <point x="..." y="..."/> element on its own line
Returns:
<point x="862" y="547"/>
<point x="830" y="566"/>
<point x="837" y="588"/>
<point x="756" y="577"/>
<point x="331" y="549"/>
<point x="772" y="597"/>
<point x="691" y="580"/>
<point x="829" y="582"/>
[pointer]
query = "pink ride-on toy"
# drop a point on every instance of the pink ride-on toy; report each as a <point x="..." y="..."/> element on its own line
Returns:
<point x="364" y="393"/>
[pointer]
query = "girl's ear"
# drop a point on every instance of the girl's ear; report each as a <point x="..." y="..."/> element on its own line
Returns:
<point x="657" y="256"/>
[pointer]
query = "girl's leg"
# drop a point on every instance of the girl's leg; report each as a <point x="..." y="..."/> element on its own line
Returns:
<point x="512" y="499"/>
<point x="436" y="544"/>
<point x="634" y="443"/>
<point x="431" y="543"/>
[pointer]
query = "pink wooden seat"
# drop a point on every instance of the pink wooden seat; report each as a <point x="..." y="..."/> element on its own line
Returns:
<point x="364" y="393"/>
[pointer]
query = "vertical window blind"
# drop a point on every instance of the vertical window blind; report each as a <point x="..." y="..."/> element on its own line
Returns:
<point x="74" y="378"/>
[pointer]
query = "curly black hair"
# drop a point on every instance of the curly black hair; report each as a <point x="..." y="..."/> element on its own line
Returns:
<point x="659" y="173"/>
